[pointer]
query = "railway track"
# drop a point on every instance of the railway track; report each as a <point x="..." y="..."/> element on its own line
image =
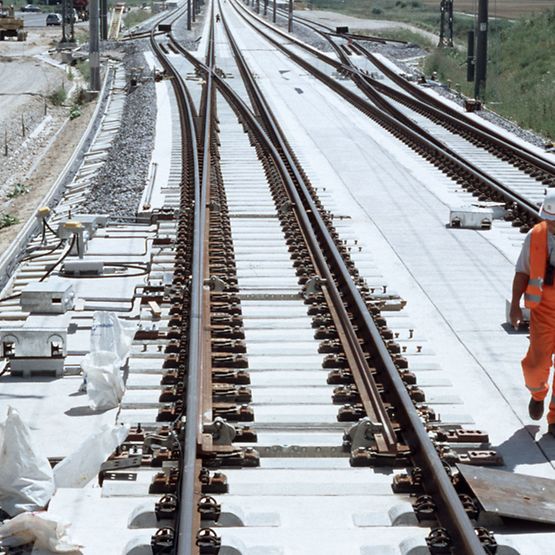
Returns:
<point x="490" y="165"/>
<point x="272" y="406"/>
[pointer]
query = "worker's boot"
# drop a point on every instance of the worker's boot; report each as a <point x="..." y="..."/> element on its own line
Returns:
<point x="551" y="429"/>
<point x="535" y="409"/>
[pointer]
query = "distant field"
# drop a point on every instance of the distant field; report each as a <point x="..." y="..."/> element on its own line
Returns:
<point x="500" y="8"/>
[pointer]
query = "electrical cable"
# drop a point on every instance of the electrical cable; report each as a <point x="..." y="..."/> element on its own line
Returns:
<point x="10" y="297"/>
<point x="60" y="260"/>
<point x="55" y="248"/>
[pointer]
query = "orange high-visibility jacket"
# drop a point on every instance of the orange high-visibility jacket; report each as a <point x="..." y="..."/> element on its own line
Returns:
<point x="538" y="263"/>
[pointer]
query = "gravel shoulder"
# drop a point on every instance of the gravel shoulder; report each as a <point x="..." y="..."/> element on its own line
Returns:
<point x="333" y="19"/>
<point x="38" y="143"/>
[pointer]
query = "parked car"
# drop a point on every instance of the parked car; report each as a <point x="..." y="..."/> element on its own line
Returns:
<point x="53" y="19"/>
<point x="31" y="9"/>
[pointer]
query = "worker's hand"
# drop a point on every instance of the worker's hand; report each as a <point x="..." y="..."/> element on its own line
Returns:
<point x="515" y="315"/>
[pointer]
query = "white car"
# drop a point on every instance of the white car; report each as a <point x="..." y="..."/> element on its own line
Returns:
<point x="53" y="19"/>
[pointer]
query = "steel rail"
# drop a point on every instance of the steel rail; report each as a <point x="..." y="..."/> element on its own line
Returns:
<point x="375" y="407"/>
<point x="438" y="483"/>
<point x="441" y="109"/>
<point x="188" y="513"/>
<point x="308" y="23"/>
<point x="420" y="138"/>
<point x="438" y="108"/>
<point x="432" y="107"/>
<point x="191" y="175"/>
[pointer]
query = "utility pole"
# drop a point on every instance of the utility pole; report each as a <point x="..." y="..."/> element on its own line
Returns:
<point x="470" y="57"/>
<point x="94" y="46"/>
<point x="481" y="49"/>
<point x="265" y="7"/>
<point x="290" y="17"/>
<point x="71" y="22"/>
<point x="189" y="26"/>
<point x="104" y="19"/>
<point x="64" y="19"/>
<point x="274" y="11"/>
<point x="446" y="14"/>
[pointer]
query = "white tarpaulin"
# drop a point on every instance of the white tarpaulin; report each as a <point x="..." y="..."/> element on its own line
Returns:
<point x="79" y="468"/>
<point x="26" y="478"/>
<point x="41" y="528"/>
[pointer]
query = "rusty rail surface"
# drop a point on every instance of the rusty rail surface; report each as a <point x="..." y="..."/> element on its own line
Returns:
<point x="188" y="262"/>
<point x="330" y="262"/>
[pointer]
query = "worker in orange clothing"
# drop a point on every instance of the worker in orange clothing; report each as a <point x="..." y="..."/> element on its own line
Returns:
<point x="534" y="278"/>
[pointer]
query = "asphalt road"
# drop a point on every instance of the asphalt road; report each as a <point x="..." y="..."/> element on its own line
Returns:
<point x="33" y="19"/>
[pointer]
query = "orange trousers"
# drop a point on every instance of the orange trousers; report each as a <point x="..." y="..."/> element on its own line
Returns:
<point x="536" y="365"/>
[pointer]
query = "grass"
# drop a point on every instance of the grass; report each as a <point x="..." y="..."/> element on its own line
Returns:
<point x="18" y="190"/>
<point x="521" y="64"/>
<point x="134" y="17"/>
<point x="84" y="68"/>
<point x="521" y="72"/>
<point x="58" y="97"/>
<point x="7" y="220"/>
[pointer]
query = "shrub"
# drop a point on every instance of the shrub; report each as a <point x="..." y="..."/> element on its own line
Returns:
<point x="58" y="97"/>
<point x="7" y="220"/>
<point x="18" y="190"/>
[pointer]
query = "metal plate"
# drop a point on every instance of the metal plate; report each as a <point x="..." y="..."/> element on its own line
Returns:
<point x="512" y="495"/>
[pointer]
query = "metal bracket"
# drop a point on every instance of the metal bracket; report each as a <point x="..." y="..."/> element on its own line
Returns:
<point x="118" y="464"/>
<point x="170" y="441"/>
<point x="222" y="432"/>
<point x="216" y="284"/>
<point x="313" y="286"/>
<point x="362" y="433"/>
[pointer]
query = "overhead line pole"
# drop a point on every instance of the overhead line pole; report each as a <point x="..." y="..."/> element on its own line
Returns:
<point x="290" y="17"/>
<point x="94" y="46"/>
<point x="481" y="49"/>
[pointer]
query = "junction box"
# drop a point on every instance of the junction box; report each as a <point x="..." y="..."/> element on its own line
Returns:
<point x="47" y="297"/>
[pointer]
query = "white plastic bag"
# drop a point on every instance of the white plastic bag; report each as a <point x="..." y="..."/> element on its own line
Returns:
<point x="47" y="533"/>
<point x="104" y="381"/>
<point x="109" y="333"/>
<point x="79" y="468"/>
<point x="26" y="478"/>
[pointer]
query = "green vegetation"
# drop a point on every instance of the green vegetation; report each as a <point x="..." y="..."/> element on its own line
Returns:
<point x="410" y="11"/>
<point x="521" y="72"/>
<point x="136" y="16"/>
<point x="7" y="220"/>
<point x="75" y="111"/>
<point x="18" y="190"/>
<point x="84" y="68"/>
<point x="58" y="97"/>
<point x="521" y="66"/>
